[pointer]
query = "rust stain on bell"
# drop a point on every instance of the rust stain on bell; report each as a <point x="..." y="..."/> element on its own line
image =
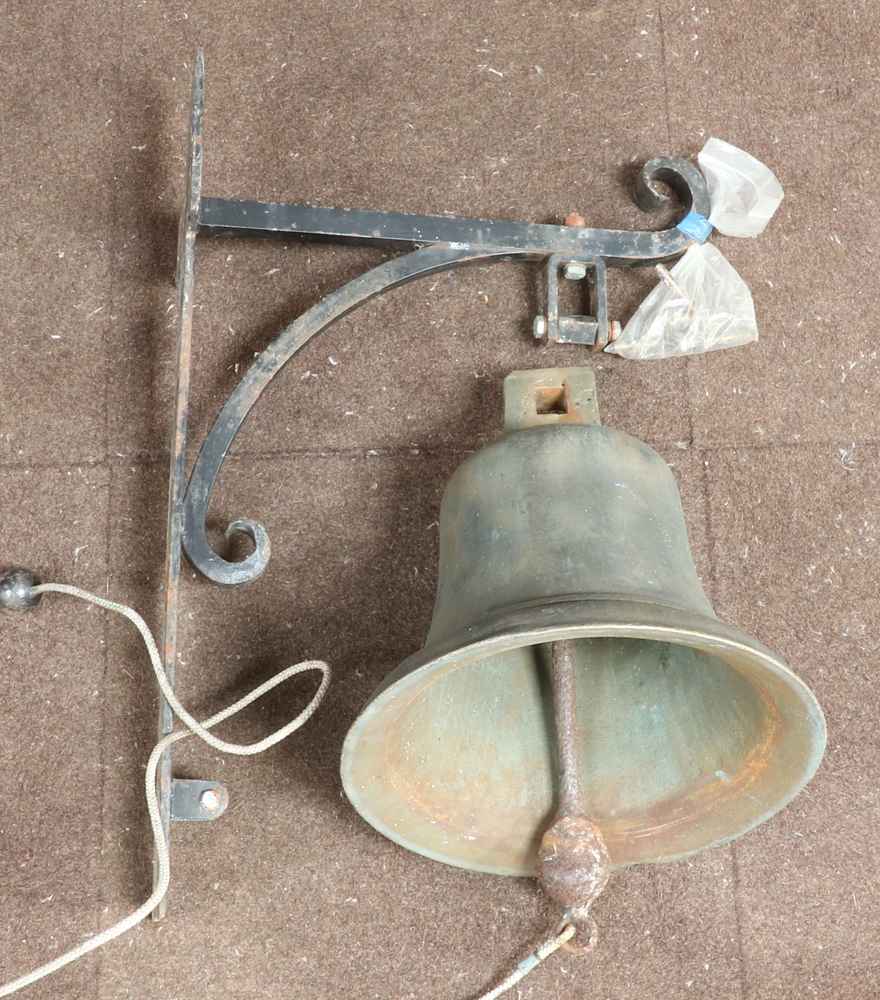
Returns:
<point x="689" y="731"/>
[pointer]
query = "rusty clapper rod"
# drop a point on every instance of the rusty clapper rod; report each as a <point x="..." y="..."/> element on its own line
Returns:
<point x="574" y="864"/>
<point x="568" y="746"/>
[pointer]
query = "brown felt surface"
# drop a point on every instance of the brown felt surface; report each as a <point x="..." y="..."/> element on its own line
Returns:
<point x="513" y="110"/>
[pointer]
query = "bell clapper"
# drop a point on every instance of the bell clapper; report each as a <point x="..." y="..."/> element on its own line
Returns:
<point x="574" y="864"/>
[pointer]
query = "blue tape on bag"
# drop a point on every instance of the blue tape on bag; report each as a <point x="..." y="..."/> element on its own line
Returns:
<point x="696" y="226"/>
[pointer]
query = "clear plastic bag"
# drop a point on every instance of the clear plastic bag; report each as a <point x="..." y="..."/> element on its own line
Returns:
<point x="702" y="304"/>
<point x="743" y="192"/>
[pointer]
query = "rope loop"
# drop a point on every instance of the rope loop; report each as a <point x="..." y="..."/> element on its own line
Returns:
<point x="592" y="940"/>
<point x="193" y="727"/>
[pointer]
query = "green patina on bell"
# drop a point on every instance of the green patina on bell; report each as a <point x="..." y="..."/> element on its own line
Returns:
<point x="691" y="732"/>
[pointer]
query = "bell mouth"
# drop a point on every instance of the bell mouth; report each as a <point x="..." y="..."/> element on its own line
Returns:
<point x="692" y="733"/>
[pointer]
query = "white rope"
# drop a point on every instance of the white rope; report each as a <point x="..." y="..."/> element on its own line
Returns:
<point x="532" y="961"/>
<point x="163" y="877"/>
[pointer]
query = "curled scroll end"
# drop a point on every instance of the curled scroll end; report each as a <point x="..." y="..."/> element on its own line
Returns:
<point x="208" y="563"/>
<point x="681" y="175"/>
<point x="251" y="567"/>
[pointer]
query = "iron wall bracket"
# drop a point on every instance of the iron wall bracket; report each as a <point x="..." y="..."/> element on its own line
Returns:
<point x="432" y="244"/>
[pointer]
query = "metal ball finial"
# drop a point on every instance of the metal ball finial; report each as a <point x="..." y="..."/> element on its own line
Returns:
<point x="15" y="590"/>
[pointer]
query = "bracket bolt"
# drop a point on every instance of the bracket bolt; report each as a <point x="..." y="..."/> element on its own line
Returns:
<point x="540" y="326"/>
<point x="575" y="272"/>
<point x="210" y="800"/>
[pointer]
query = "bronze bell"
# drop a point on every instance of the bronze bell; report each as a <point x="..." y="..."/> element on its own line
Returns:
<point x="690" y="731"/>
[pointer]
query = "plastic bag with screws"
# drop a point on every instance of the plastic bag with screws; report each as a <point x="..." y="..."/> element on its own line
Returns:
<point x="701" y="305"/>
<point x="743" y="193"/>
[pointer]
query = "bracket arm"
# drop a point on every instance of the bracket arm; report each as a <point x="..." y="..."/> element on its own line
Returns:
<point x="391" y="274"/>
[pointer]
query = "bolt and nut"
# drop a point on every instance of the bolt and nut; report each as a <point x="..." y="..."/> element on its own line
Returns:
<point x="575" y="271"/>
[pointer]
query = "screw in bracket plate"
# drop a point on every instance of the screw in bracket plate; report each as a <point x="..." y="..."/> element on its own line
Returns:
<point x="540" y="326"/>
<point x="210" y="800"/>
<point x="575" y="271"/>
